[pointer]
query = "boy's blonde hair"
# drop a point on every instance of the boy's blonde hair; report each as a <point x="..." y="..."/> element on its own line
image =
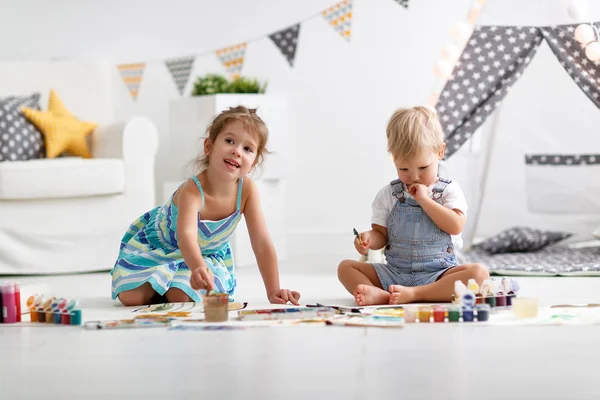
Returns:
<point x="412" y="130"/>
<point x="252" y="122"/>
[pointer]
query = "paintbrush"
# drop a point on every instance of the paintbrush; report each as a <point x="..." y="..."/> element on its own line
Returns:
<point x="358" y="237"/>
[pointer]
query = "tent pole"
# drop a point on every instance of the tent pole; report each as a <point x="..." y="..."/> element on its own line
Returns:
<point x="484" y="175"/>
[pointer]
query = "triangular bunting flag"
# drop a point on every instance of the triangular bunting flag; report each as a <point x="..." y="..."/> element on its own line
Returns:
<point x="340" y="17"/>
<point x="132" y="76"/>
<point x="180" y="69"/>
<point x="403" y="3"/>
<point x="233" y="59"/>
<point x="287" y="40"/>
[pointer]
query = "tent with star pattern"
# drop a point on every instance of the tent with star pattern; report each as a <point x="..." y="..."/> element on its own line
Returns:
<point x="532" y="158"/>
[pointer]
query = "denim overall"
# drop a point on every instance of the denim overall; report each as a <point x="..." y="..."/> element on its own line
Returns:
<point x="417" y="251"/>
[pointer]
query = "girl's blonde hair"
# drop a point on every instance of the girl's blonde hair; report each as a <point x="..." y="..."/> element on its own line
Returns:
<point x="412" y="130"/>
<point x="252" y="122"/>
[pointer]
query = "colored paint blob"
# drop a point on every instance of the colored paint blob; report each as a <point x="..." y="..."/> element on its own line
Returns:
<point x="501" y="300"/>
<point x="76" y="317"/>
<point x="453" y="313"/>
<point x="467" y="314"/>
<point x="424" y="314"/>
<point x="410" y="314"/>
<point x="483" y="312"/>
<point x="439" y="314"/>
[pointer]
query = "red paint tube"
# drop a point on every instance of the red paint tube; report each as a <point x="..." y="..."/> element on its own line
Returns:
<point x="18" y="301"/>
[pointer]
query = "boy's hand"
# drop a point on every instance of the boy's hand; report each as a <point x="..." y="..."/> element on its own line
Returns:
<point x="282" y="296"/>
<point x="202" y="278"/>
<point x="362" y="243"/>
<point x="418" y="191"/>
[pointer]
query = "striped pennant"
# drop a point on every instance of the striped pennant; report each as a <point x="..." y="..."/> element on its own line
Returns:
<point x="233" y="58"/>
<point x="286" y="40"/>
<point x="340" y="17"/>
<point x="180" y="69"/>
<point x="132" y="76"/>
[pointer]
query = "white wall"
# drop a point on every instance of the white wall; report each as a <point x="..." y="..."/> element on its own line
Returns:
<point x="340" y="94"/>
<point x="84" y="88"/>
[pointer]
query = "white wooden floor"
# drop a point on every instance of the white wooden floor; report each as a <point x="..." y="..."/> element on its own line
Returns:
<point x="416" y="362"/>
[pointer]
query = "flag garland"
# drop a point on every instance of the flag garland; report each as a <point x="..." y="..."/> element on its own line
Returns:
<point x="180" y="69"/>
<point x="403" y="3"/>
<point x="286" y="41"/>
<point x="339" y="16"/>
<point x="132" y="76"/>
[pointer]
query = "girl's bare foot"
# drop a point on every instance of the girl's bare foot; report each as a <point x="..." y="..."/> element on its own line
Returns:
<point x="367" y="295"/>
<point x="401" y="294"/>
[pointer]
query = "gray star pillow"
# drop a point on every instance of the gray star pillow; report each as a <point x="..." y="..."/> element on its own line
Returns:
<point x="521" y="239"/>
<point x="19" y="139"/>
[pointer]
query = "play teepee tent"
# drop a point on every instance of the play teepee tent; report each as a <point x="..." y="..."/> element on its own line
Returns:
<point x="525" y="155"/>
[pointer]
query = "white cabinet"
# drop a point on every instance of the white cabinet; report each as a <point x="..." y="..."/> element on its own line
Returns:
<point x="188" y="119"/>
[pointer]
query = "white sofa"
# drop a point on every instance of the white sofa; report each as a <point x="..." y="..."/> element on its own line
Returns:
<point x="68" y="214"/>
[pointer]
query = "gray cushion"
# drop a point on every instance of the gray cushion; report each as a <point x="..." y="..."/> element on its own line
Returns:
<point x="19" y="139"/>
<point x="521" y="239"/>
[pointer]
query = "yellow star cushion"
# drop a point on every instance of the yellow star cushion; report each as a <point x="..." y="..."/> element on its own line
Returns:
<point x="62" y="131"/>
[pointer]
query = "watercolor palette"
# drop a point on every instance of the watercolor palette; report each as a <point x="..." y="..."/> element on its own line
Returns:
<point x="286" y="313"/>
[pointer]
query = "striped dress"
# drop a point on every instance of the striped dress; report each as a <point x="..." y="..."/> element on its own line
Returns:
<point x="149" y="251"/>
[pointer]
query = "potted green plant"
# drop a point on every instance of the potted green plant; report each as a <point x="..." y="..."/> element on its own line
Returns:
<point x="215" y="84"/>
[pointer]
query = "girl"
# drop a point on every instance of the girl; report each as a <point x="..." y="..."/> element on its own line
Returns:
<point x="418" y="218"/>
<point x="183" y="246"/>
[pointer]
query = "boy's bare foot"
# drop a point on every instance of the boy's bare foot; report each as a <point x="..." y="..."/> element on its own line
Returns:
<point x="367" y="295"/>
<point x="401" y="294"/>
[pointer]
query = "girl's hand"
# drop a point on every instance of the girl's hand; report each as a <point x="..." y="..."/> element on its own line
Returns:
<point x="202" y="278"/>
<point x="418" y="191"/>
<point x="362" y="243"/>
<point x="282" y="296"/>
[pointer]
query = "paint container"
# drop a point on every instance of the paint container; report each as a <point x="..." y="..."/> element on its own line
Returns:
<point x="47" y="306"/>
<point x="65" y="318"/>
<point x="467" y="314"/>
<point x="439" y="314"/>
<point x="483" y="312"/>
<point x="1" y="313"/>
<point x="9" y="308"/>
<point x="525" y="307"/>
<point x="468" y="299"/>
<point x="216" y="307"/>
<point x="30" y="303"/>
<point x="72" y="304"/>
<point x="479" y="299"/>
<point x="491" y="300"/>
<point x="509" y="298"/>
<point x="18" y="301"/>
<point x="76" y="317"/>
<point x="500" y="300"/>
<point x="410" y="314"/>
<point x="453" y="313"/>
<point x="34" y="316"/>
<point x="424" y="314"/>
<point x="41" y="315"/>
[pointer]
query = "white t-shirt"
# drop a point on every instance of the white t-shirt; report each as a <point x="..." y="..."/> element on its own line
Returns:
<point x="452" y="197"/>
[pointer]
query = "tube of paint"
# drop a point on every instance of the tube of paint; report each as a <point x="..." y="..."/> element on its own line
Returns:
<point x="18" y="300"/>
<point x="473" y="286"/>
<point x="459" y="289"/>
<point x="9" y="308"/>
<point x="1" y="313"/>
